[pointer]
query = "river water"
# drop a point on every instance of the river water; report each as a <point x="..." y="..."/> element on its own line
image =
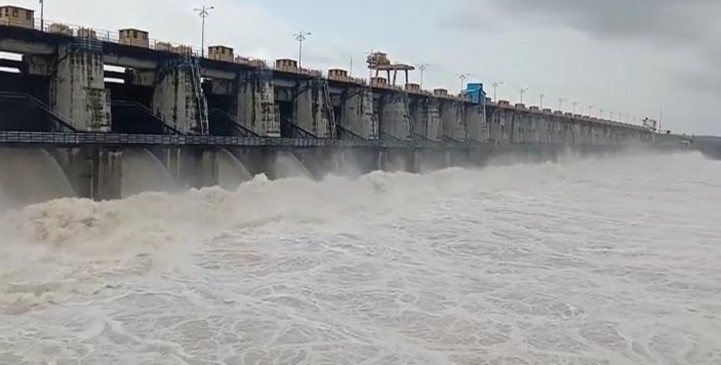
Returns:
<point x="607" y="260"/>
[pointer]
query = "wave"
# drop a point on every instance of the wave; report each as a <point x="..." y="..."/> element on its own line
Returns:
<point x="436" y="268"/>
<point x="68" y="221"/>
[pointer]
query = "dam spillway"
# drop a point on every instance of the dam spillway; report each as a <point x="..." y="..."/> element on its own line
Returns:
<point x="189" y="110"/>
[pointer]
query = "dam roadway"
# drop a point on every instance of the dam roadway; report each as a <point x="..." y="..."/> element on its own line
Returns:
<point x="86" y="96"/>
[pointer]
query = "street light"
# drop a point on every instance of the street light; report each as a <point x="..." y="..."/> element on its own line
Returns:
<point x="575" y="104"/>
<point x="523" y="91"/>
<point x="42" y="15"/>
<point x="204" y="12"/>
<point x="560" y="103"/>
<point x="301" y="37"/>
<point x="590" y="110"/>
<point x="541" y="97"/>
<point x="463" y="78"/>
<point x="495" y="88"/>
<point x="601" y="113"/>
<point x="422" y="67"/>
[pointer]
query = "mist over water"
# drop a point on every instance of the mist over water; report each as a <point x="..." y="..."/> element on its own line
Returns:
<point x="143" y="172"/>
<point x="610" y="260"/>
<point x="30" y="176"/>
<point x="288" y="166"/>
<point x="231" y="172"/>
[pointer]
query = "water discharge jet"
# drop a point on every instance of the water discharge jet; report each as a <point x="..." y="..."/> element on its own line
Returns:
<point x="31" y="176"/>
<point x="231" y="172"/>
<point x="142" y="172"/>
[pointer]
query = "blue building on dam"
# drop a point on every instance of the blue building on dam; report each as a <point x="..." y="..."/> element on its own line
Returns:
<point x="190" y="109"/>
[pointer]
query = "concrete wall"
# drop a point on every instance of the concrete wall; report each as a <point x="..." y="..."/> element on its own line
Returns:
<point x="394" y="114"/>
<point x="178" y="98"/>
<point x="312" y="109"/>
<point x="426" y="118"/>
<point x="94" y="173"/>
<point x="255" y="104"/>
<point x="357" y="113"/>
<point x="77" y="89"/>
<point x="517" y="125"/>
<point x="454" y="122"/>
<point x="475" y="122"/>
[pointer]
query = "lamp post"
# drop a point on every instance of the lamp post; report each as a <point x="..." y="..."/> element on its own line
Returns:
<point x="541" y="97"/>
<point x="575" y="104"/>
<point x="301" y="37"/>
<point x="463" y="78"/>
<point x="42" y="15"/>
<point x="422" y="67"/>
<point x="522" y="91"/>
<point x="204" y="12"/>
<point x="560" y="103"/>
<point x="495" y="88"/>
<point x="590" y="110"/>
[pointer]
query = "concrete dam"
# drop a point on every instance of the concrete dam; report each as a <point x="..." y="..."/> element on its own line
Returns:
<point x="90" y="100"/>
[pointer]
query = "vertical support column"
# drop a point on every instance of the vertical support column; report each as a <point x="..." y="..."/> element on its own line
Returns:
<point x="427" y="118"/>
<point x="259" y="160"/>
<point x="447" y="158"/>
<point x="453" y="120"/>
<point x="200" y="168"/>
<point x="178" y="96"/>
<point x="395" y="119"/>
<point x="475" y="121"/>
<point x="415" y="162"/>
<point x="383" y="161"/>
<point x="96" y="173"/>
<point x="400" y="159"/>
<point x="255" y="103"/>
<point x="358" y="118"/>
<point x="108" y="174"/>
<point x="77" y="87"/>
<point x="312" y="109"/>
<point x="192" y="167"/>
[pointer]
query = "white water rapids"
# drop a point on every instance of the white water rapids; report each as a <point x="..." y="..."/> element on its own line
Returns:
<point x="609" y="260"/>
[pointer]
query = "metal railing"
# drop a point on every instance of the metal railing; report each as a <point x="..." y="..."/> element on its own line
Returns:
<point x="165" y="127"/>
<point x="62" y="123"/>
<point x="81" y="32"/>
<point x="9" y="138"/>
<point x="301" y="131"/>
<point x="242" y="130"/>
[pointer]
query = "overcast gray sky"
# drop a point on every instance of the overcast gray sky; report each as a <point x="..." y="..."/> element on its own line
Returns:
<point x="627" y="56"/>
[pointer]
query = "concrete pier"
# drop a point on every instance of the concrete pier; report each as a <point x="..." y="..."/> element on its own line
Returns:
<point x="454" y="122"/>
<point x="192" y="167"/>
<point x="94" y="173"/>
<point x="474" y="117"/>
<point x="312" y="109"/>
<point x="77" y="87"/>
<point x="395" y="160"/>
<point x="357" y="115"/>
<point x="427" y="118"/>
<point x="255" y="105"/>
<point x="395" y="118"/>
<point x="178" y="97"/>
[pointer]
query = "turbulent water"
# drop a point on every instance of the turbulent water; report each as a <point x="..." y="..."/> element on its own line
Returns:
<point x="613" y="260"/>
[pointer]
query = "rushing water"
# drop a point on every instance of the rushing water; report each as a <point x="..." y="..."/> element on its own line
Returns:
<point x="613" y="260"/>
<point x="142" y="171"/>
<point x="30" y="176"/>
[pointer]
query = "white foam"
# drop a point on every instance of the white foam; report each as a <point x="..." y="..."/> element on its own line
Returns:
<point x="608" y="260"/>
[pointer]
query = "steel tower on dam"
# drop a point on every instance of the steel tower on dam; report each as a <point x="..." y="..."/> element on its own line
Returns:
<point x="88" y="96"/>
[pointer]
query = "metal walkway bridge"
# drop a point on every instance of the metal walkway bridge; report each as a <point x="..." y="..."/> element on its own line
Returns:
<point x="65" y="139"/>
